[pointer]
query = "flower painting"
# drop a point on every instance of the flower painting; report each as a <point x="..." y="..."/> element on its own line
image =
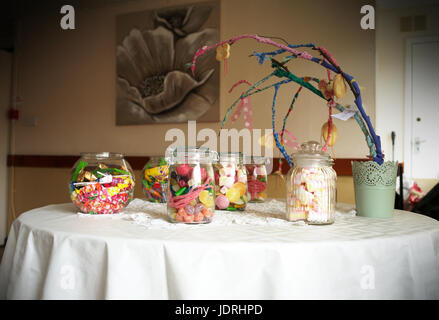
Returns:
<point x="153" y="55"/>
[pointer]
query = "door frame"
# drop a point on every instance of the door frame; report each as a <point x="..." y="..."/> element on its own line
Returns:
<point x="408" y="100"/>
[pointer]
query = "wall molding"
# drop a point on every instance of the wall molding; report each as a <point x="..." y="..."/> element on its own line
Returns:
<point x="342" y="165"/>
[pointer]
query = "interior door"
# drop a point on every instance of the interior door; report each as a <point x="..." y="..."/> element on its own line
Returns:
<point x="5" y="90"/>
<point x="424" y="105"/>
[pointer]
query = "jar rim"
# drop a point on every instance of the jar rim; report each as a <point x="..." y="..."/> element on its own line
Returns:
<point x="102" y="155"/>
<point x="190" y="154"/>
<point x="230" y="156"/>
<point x="256" y="159"/>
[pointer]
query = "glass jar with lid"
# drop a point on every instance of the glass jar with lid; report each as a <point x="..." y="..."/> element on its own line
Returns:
<point x="256" y="178"/>
<point x="155" y="179"/>
<point x="230" y="182"/>
<point x="101" y="183"/>
<point x="191" y="183"/>
<point x="311" y="186"/>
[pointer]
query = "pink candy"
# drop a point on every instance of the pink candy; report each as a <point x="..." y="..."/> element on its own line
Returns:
<point x="222" y="202"/>
<point x="184" y="170"/>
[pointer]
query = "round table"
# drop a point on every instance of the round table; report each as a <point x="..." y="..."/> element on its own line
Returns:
<point x="55" y="253"/>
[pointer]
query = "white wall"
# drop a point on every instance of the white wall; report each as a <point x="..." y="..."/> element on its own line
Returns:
<point x="5" y="90"/>
<point x="390" y="68"/>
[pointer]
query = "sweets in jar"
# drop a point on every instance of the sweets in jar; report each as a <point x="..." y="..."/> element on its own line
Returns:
<point x="256" y="179"/>
<point x="155" y="180"/>
<point x="191" y="197"/>
<point x="230" y="182"/>
<point x="101" y="183"/>
<point x="311" y="186"/>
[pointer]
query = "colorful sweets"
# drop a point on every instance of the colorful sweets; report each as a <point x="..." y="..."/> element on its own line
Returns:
<point x="191" y="184"/>
<point x="230" y="183"/>
<point x="155" y="180"/>
<point x="311" y="188"/>
<point x="190" y="193"/>
<point x="257" y="180"/>
<point x="101" y="184"/>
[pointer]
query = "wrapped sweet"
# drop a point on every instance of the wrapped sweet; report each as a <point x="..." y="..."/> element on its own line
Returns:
<point x="101" y="183"/>
<point x="230" y="182"/>
<point x="256" y="178"/>
<point x="155" y="180"/>
<point x="311" y="186"/>
<point x="191" y="197"/>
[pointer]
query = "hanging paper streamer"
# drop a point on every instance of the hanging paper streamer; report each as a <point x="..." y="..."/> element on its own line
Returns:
<point x="244" y="105"/>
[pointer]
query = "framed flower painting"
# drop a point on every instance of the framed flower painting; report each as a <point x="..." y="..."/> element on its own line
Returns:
<point x="153" y="52"/>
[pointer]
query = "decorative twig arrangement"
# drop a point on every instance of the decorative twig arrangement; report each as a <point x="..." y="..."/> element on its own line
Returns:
<point x="326" y="90"/>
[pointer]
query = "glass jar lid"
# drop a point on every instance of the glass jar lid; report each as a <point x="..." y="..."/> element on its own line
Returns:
<point x="231" y="157"/>
<point x="310" y="152"/>
<point x="188" y="154"/>
<point x="256" y="160"/>
<point x="101" y="155"/>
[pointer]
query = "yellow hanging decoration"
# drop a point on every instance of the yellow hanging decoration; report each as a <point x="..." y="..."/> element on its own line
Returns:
<point x="334" y="135"/>
<point x="339" y="86"/>
<point x="223" y="52"/>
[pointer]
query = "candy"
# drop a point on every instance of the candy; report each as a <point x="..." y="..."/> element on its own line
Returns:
<point x="109" y="194"/>
<point x="231" y="184"/>
<point x="198" y="217"/>
<point x="190" y="209"/>
<point x="233" y="194"/>
<point x="184" y="170"/>
<point x="241" y="187"/>
<point x="309" y="196"/>
<point x="257" y="179"/>
<point x="191" y="193"/>
<point x="222" y="202"/>
<point x="180" y="191"/>
<point x="155" y="180"/>
<point x="188" y="218"/>
<point x="206" y="198"/>
<point x="198" y="207"/>
<point x="207" y="212"/>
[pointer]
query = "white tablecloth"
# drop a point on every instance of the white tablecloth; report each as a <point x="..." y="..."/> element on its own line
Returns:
<point x="55" y="253"/>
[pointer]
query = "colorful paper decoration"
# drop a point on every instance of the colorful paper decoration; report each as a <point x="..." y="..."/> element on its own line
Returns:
<point x="330" y="90"/>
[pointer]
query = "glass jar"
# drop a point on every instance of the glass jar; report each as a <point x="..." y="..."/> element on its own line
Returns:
<point x="230" y="182"/>
<point x="191" y="183"/>
<point x="256" y="178"/>
<point x="311" y="186"/>
<point x="101" y="183"/>
<point x="155" y="179"/>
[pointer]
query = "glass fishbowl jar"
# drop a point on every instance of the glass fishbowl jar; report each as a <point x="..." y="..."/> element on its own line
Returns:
<point x="191" y="184"/>
<point x="230" y="182"/>
<point x="155" y="180"/>
<point x="101" y="183"/>
<point x="311" y="186"/>
<point x="256" y="178"/>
